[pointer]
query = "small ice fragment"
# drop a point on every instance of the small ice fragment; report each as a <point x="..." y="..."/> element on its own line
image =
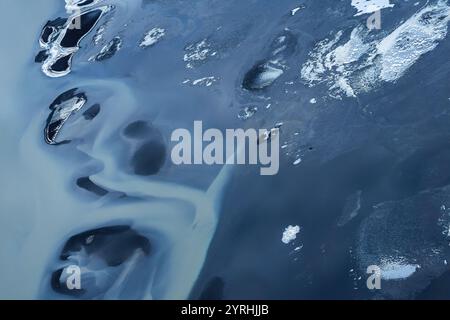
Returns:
<point x="247" y="113"/>
<point x="207" y="81"/>
<point x="369" y="6"/>
<point x="397" y="269"/>
<point x="290" y="234"/>
<point x="152" y="37"/>
<point x="90" y="239"/>
<point x="295" y="10"/>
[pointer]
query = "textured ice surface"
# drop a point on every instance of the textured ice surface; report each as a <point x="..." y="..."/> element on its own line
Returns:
<point x="369" y="6"/>
<point x="403" y="238"/>
<point x="109" y="50"/>
<point x="351" y="208"/>
<point x="61" y="38"/>
<point x="360" y="64"/>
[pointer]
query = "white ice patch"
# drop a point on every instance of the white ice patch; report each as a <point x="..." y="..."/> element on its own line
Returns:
<point x="332" y="64"/>
<point x="359" y="65"/>
<point x="397" y="269"/>
<point x="73" y="6"/>
<point x="290" y="234"/>
<point x="417" y="36"/>
<point x="206" y="81"/>
<point x="269" y="75"/>
<point x="295" y="10"/>
<point x="198" y="52"/>
<point x="370" y="6"/>
<point x="152" y="37"/>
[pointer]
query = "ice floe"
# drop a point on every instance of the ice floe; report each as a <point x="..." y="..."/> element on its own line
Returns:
<point x="265" y="72"/>
<point x="360" y="64"/>
<point x="197" y="53"/>
<point x="297" y="9"/>
<point x="205" y="81"/>
<point x="290" y="234"/>
<point x="152" y="37"/>
<point x="247" y="112"/>
<point x="109" y="50"/>
<point x="370" y="6"/>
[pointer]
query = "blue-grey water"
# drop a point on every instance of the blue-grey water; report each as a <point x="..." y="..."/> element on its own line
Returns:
<point x="87" y="179"/>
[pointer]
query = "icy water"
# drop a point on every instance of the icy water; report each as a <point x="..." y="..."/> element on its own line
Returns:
<point x="87" y="179"/>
